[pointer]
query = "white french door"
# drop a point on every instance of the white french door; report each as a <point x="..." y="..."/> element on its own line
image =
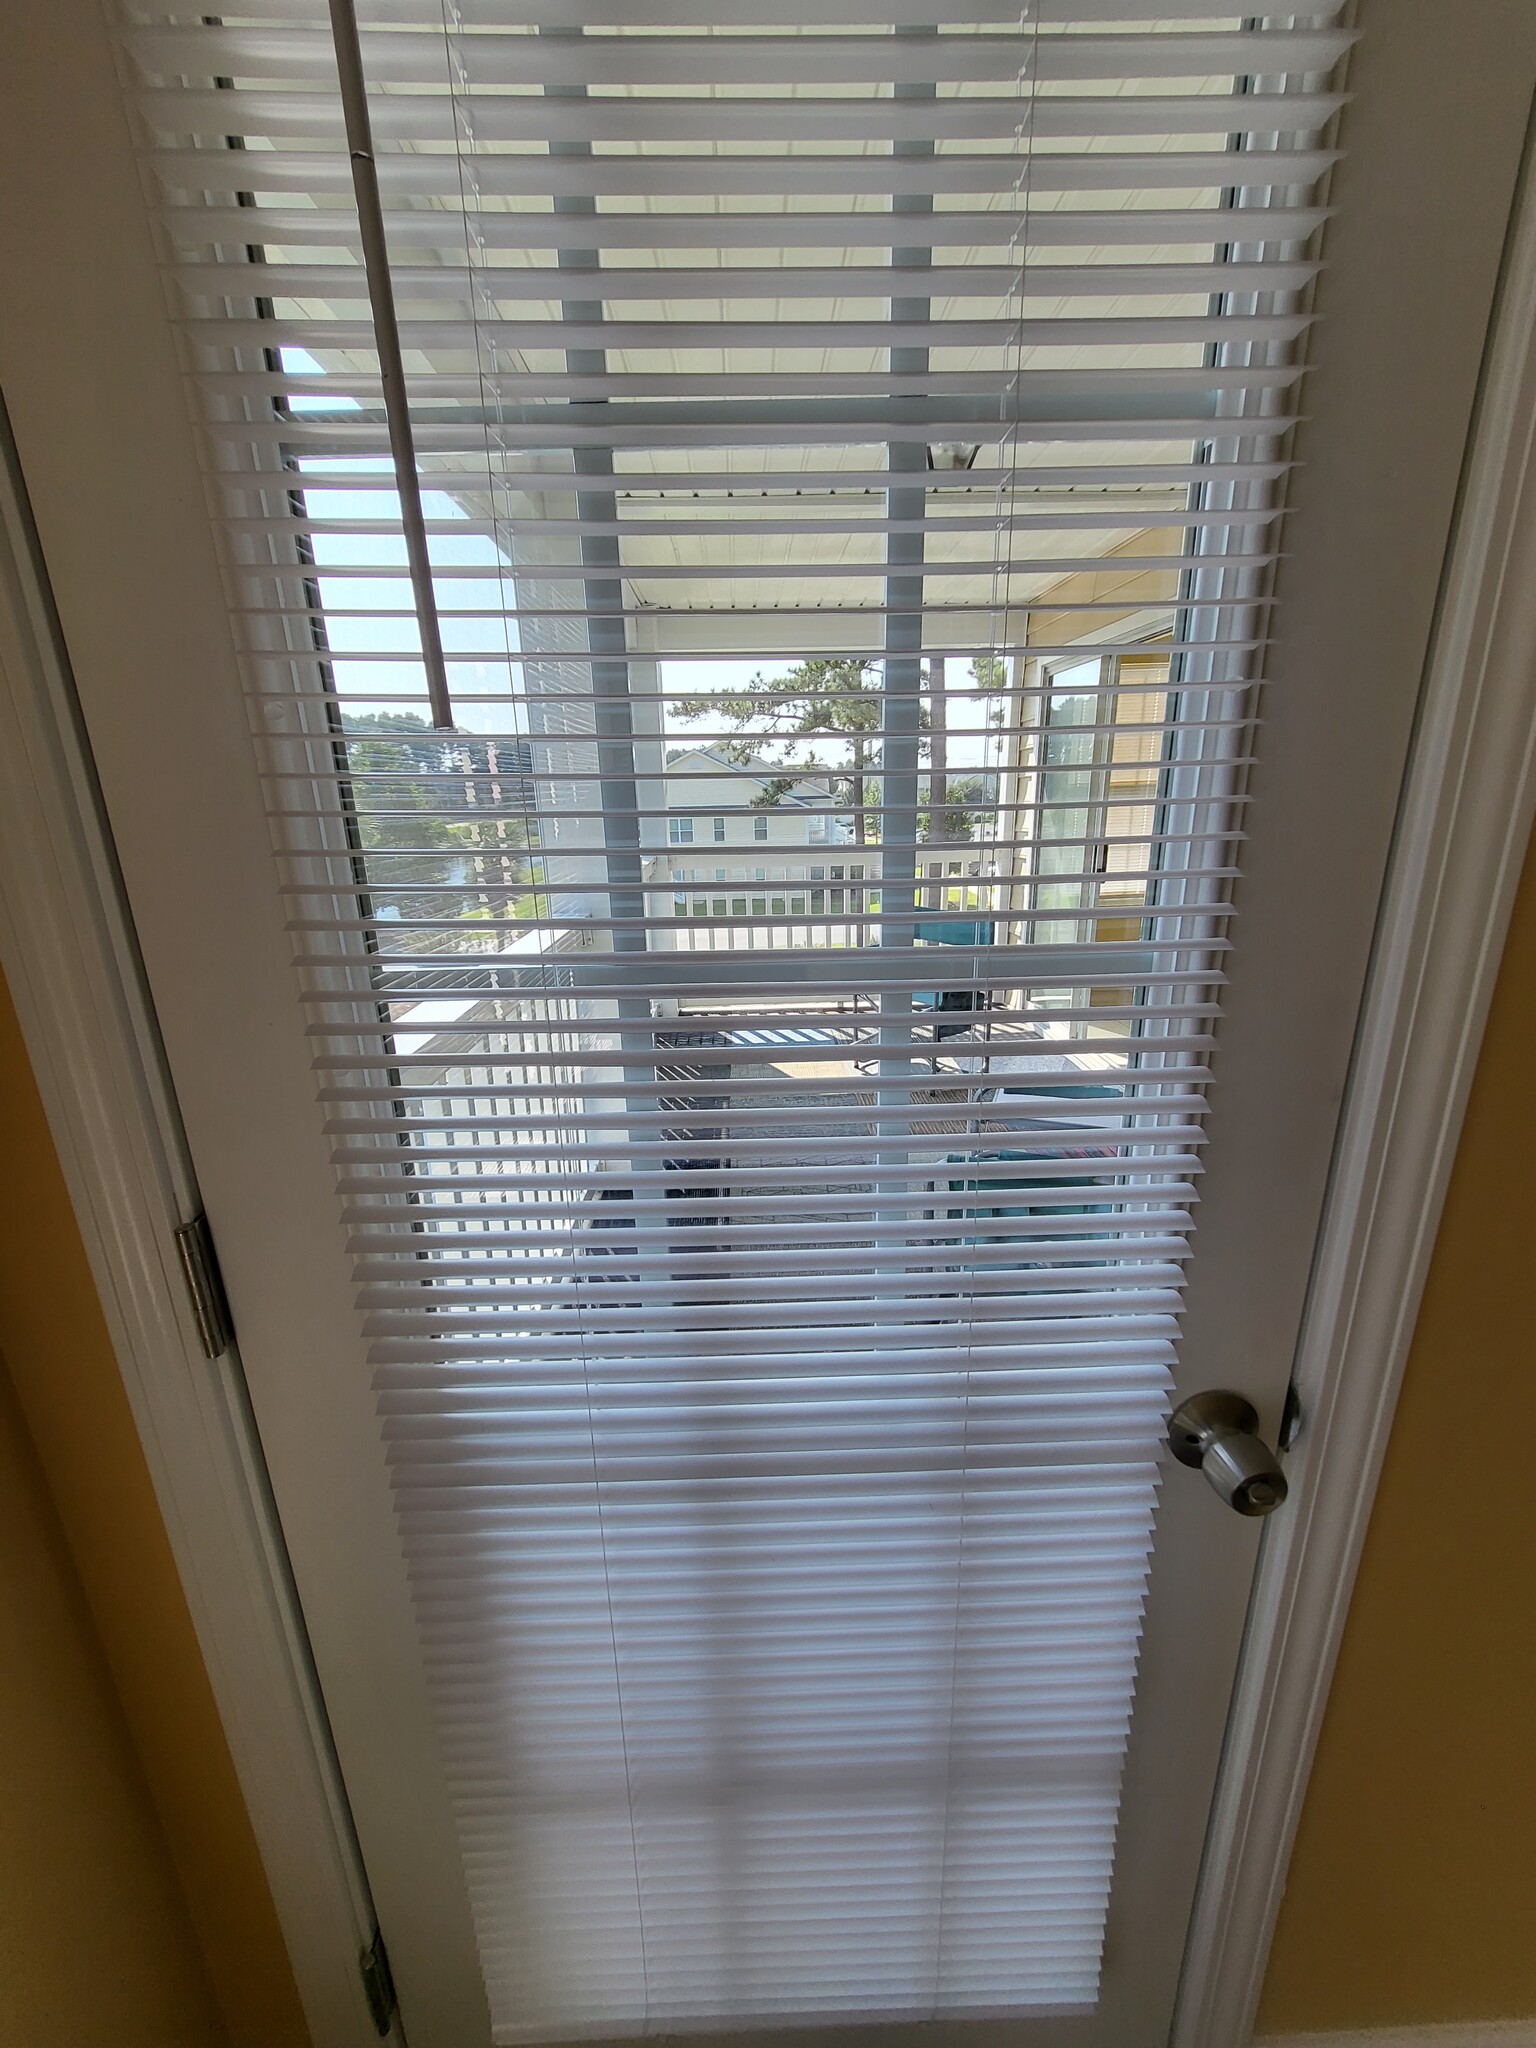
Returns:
<point x="695" y="912"/>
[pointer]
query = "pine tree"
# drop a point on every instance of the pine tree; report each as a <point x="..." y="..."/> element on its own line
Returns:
<point x="838" y="700"/>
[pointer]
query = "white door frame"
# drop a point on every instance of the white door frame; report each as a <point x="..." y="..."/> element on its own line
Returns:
<point x="71" y="961"/>
<point x="1463" y="826"/>
<point x="68" y="952"/>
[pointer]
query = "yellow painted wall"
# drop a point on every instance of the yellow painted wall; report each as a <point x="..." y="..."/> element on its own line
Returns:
<point x="1412" y="1891"/>
<point x="96" y="1946"/>
<point x="107" y="1721"/>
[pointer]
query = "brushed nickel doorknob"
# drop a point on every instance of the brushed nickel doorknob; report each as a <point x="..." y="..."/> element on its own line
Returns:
<point x="1218" y="1433"/>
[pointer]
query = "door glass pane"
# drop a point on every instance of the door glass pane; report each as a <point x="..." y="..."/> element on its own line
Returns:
<point x="771" y="1270"/>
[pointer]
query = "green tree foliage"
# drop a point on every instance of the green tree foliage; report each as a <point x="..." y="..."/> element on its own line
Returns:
<point x="840" y="701"/>
<point x="955" y="810"/>
<point x="403" y="771"/>
<point x="781" y="717"/>
<point x="970" y="800"/>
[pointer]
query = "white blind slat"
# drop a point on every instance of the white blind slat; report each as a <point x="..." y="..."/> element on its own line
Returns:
<point x="527" y="58"/>
<point x="404" y="116"/>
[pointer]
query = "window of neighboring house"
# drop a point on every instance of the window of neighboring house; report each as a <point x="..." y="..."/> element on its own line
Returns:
<point x="680" y="831"/>
<point x="719" y="831"/>
<point x="760" y="827"/>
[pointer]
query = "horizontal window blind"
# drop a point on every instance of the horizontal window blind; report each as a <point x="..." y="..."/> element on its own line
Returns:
<point x="764" y="1037"/>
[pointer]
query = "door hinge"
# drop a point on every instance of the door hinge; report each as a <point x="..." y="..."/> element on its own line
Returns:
<point x="210" y="1305"/>
<point x="378" y="1984"/>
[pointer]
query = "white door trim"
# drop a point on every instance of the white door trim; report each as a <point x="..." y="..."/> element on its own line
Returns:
<point x="1463" y="826"/>
<point x="69" y="956"/>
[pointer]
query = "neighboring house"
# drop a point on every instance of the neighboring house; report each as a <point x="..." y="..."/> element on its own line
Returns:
<point x="744" y="843"/>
